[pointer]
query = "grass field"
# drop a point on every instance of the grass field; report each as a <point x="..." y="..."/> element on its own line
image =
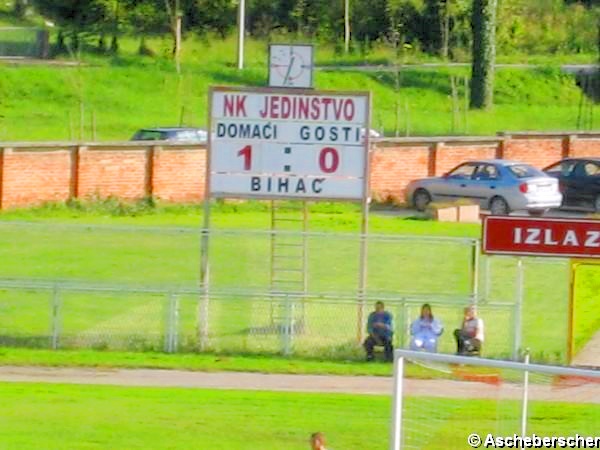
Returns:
<point x="43" y="103"/>
<point x="94" y="417"/>
<point x="92" y="245"/>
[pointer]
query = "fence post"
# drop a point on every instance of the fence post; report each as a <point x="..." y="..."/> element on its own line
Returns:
<point x="488" y="277"/>
<point x="55" y="317"/>
<point x="400" y="320"/>
<point x="288" y="327"/>
<point x="475" y="251"/>
<point x="172" y="323"/>
<point x="518" y="309"/>
<point x="524" y="404"/>
<point x="175" y="323"/>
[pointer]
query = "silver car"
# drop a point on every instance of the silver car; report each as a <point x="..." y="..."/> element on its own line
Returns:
<point x="498" y="185"/>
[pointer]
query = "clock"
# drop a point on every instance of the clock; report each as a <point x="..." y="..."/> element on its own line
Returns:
<point x="291" y="65"/>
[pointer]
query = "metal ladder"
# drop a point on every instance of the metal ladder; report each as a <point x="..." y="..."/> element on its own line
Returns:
<point x="289" y="256"/>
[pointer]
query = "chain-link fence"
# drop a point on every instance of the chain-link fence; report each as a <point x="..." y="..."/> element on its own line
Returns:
<point x="131" y="287"/>
<point x="68" y="315"/>
<point x="539" y="288"/>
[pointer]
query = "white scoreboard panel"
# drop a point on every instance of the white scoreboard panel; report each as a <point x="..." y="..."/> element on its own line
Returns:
<point x="267" y="143"/>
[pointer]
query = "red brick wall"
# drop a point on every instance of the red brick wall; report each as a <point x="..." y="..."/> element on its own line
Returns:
<point x="449" y="156"/>
<point x="392" y="168"/>
<point x="32" y="174"/>
<point x="537" y="152"/>
<point x="585" y="147"/>
<point x="178" y="175"/>
<point x="34" y="177"/>
<point x="118" y="173"/>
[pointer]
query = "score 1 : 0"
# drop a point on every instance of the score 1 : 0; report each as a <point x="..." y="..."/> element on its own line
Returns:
<point x="329" y="159"/>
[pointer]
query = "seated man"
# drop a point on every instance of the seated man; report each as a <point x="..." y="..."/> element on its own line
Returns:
<point x="470" y="337"/>
<point x="381" y="331"/>
<point x="425" y="331"/>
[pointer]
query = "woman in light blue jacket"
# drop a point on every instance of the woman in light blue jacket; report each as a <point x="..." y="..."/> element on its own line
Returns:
<point x="425" y="331"/>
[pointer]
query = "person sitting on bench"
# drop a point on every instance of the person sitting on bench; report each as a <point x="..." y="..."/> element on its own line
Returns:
<point x="381" y="330"/>
<point x="425" y="331"/>
<point x="470" y="337"/>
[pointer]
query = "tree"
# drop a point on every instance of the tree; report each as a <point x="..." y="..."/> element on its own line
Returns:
<point x="146" y="18"/>
<point x="483" y="24"/>
<point x="75" y="16"/>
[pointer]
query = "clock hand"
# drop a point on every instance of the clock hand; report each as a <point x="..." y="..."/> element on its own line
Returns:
<point x="287" y="75"/>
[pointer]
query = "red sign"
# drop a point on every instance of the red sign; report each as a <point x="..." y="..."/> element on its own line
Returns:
<point x="541" y="237"/>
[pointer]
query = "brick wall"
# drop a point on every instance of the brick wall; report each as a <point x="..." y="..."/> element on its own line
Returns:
<point x="36" y="173"/>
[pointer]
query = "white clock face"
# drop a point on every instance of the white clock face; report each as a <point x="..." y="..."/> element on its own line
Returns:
<point x="290" y="66"/>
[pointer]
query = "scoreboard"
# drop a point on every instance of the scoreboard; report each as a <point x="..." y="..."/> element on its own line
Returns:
<point x="268" y="143"/>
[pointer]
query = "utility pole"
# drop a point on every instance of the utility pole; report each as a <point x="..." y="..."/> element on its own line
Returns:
<point x="346" y="26"/>
<point x="241" y="33"/>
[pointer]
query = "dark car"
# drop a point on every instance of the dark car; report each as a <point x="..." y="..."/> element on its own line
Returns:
<point x="180" y="134"/>
<point x="579" y="180"/>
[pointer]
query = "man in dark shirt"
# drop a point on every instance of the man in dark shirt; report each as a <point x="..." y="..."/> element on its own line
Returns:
<point x="381" y="331"/>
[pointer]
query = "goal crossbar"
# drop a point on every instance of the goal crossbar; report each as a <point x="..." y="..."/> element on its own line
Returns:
<point x="400" y="356"/>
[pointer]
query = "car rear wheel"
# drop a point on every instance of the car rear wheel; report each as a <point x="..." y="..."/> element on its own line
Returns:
<point x="499" y="207"/>
<point x="421" y="199"/>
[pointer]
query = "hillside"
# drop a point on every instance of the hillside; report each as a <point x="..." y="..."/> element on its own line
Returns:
<point x="46" y="103"/>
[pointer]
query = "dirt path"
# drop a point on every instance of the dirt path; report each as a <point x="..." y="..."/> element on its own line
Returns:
<point x="585" y="393"/>
<point x="590" y="354"/>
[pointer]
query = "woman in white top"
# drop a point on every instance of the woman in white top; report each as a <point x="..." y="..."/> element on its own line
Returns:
<point x="470" y="336"/>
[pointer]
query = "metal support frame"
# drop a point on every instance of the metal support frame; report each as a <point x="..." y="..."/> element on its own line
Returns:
<point x="525" y="399"/>
<point x="56" y="301"/>
<point x="518" y="309"/>
<point x="396" y="429"/>
<point x="172" y="324"/>
<point x="475" y="252"/>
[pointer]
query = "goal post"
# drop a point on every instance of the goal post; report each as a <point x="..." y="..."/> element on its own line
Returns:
<point x="447" y="401"/>
<point x="575" y="265"/>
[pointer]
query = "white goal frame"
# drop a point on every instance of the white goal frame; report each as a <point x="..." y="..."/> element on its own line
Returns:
<point x="400" y="356"/>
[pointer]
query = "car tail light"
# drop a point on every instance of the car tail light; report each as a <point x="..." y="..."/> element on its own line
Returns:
<point x="523" y="188"/>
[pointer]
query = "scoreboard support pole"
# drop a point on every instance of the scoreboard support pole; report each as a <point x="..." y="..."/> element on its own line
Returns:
<point x="364" y="230"/>
<point x="203" y="304"/>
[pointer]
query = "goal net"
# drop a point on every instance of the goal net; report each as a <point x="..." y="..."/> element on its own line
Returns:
<point x="445" y="401"/>
<point x="23" y="42"/>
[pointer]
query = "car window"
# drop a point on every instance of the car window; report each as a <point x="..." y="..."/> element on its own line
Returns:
<point x="563" y="168"/>
<point x="186" y="135"/>
<point x="462" y="172"/>
<point x="149" y="135"/>
<point x="486" y="172"/>
<point x="525" y="171"/>
<point x="591" y="169"/>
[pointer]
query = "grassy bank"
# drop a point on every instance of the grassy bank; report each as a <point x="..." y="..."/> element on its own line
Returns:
<point x="63" y="103"/>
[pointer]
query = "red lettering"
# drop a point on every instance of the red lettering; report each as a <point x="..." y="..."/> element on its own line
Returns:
<point x="349" y="109"/>
<point x="228" y="106"/>
<point x="303" y="108"/>
<point x="314" y="105"/>
<point x="286" y="107"/>
<point x="234" y="105"/>
<point x="240" y="106"/>
<point x="275" y="107"/>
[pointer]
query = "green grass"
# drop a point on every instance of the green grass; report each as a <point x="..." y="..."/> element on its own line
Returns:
<point x="203" y="362"/>
<point x="43" y="103"/>
<point x="102" y="417"/>
<point x="82" y="245"/>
